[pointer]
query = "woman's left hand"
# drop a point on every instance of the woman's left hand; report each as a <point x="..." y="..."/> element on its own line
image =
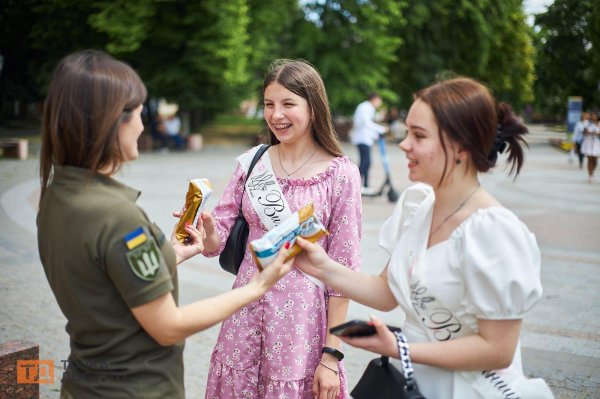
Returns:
<point x="191" y="247"/>
<point x="326" y="383"/>
<point x="384" y="342"/>
<point x="314" y="260"/>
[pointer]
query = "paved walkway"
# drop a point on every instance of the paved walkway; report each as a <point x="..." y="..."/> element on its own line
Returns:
<point x="560" y="338"/>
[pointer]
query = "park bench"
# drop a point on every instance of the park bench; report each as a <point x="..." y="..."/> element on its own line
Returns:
<point x="14" y="148"/>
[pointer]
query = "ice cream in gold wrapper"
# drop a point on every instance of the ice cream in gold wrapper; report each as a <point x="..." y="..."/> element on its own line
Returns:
<point x="302" y="223"/>
<point x="197" y="195"/>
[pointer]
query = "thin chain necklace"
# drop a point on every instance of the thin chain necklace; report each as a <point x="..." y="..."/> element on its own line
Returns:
<point x="300" y="167"/>
<point x="458" y="208"/>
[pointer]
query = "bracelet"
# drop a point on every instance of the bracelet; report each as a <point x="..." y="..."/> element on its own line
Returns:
<point x="330" y="368"/>
<point x="334" y="352"/>
<point x="404" y="352"/>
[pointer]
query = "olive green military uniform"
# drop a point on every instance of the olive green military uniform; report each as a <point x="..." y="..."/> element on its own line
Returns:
<point x="102" y="257"/>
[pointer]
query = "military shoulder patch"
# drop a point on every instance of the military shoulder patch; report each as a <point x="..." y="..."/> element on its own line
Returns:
<point x="143" y="256"/>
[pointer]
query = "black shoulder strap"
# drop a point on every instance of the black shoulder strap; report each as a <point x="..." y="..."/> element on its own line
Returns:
<point x="257" y="156"/>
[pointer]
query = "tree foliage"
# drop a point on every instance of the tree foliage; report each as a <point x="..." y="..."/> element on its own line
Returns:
<point x="567" y="44"/>
<point x="352" y="43"/>
<point x="207" y="55"/>
<point x="483" y="39"/>
<point x="193" y="53"/>
<point x="510" y="66"/>
<point x="271" y="32"/>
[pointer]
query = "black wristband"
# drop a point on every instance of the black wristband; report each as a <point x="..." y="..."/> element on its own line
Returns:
<point x="332" y="351"/>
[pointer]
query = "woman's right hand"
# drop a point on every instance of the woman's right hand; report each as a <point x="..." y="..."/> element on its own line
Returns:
<point x="275" y="270"/>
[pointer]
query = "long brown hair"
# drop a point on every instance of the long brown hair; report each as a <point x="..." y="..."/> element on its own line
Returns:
<point x="302" y="79"/>
<point x="91" y="94"/>
<point x="467" y="113"/>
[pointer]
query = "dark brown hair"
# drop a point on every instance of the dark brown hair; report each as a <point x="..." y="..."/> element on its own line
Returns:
<point x="91" y="94"/>
<point x="467" y="113"/>
<point x="372" y="96"/>
<point x="302" y="79"/>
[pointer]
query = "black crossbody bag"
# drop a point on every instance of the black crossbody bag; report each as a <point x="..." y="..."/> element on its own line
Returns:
<point x="382" y="380"/>
<point x="235" y="247"/>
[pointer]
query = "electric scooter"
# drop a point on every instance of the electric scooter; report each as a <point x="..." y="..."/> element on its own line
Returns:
<point x="392" y="194"/>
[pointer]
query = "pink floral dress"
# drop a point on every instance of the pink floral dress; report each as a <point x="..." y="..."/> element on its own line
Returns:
<point x="272" y="347"/>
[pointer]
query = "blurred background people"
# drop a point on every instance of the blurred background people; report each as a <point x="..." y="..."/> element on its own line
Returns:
<point x="590" y="146"/>
<point x="364" y="133"/>
<point x="578" y="130"/>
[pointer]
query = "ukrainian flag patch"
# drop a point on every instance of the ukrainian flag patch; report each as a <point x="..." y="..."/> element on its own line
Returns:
<point x="135" y="238"/>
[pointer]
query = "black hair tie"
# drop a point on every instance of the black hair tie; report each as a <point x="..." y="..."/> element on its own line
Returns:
<point x="498" y="147"/>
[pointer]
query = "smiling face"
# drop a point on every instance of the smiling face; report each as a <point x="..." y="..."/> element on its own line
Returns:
<point x="423" y="146"/>
<point x="287" y="114"/>
<point x="129" y="132"/>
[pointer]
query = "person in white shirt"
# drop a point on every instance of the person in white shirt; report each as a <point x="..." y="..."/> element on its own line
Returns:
<point x="172" y="126"/>
<point x="590" y="146"/>
<point x="364" y="132"/>
<point x="578" y="136"/>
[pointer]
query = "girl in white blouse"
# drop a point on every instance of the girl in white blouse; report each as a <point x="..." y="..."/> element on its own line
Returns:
<point x="462" y="267"/>
<point x="590" y="145"/>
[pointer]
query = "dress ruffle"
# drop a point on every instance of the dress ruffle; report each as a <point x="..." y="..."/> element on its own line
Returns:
<point x="236" y="384"/>
<point x="331" y="170"/>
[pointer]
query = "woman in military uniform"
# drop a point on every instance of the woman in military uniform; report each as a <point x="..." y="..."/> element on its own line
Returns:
<point x="111" y="269"/>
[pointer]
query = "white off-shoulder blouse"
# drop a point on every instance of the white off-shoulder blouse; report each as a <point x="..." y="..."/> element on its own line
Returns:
<point x="489" y="268"/>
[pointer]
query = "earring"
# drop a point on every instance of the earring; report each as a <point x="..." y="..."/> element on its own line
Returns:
<point x="458" y="161"/>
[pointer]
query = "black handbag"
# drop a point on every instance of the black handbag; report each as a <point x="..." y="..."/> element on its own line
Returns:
<point x="382" y="380"/>
<point x="235" y="247"/>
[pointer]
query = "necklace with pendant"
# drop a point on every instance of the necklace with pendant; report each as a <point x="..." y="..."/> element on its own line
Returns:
<point x="458" y="208"/>
<point x="300" y="167"/>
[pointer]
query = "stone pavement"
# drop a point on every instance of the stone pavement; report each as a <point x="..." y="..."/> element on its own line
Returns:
<point x="560" y="337"/>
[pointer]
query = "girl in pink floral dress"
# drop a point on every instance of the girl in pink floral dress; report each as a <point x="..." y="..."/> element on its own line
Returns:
<point x="279" y="346"/>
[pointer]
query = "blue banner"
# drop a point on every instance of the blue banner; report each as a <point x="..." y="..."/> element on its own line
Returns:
<point x="574" y="108"/>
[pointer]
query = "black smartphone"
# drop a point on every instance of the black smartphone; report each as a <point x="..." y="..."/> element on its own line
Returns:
<point x="357" y="328"/>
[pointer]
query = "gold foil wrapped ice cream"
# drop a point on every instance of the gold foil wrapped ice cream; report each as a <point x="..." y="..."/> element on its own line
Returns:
<point x="197" y="195"/>
<point x="302" y="223"/>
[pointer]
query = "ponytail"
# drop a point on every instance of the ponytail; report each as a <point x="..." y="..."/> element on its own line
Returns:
<point x="509" y="133"/>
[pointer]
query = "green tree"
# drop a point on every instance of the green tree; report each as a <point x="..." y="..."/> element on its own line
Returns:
<point x="271" y="35"/>
<point x="15" y="77"/>
<point x="510" y="66"/>
<point x="593" y="32"/>
<point x="441" y="38"/>
<point x="194" y="53"/>
<point x="566" y="56"/>
<point x="126" y="22"/>
<point x="35" y="34"/>
<point x="484" y="39"/>
<point x="352" y="43"/>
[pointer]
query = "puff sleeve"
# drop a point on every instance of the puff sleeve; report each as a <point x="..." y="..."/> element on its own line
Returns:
<point x="408" y="203"/>
<point x="500" y="266"/>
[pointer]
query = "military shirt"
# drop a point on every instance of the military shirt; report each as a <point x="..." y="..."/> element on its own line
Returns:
<point x="102" y="257"/>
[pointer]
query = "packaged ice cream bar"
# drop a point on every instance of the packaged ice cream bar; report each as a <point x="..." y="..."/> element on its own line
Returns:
<point x="302" y="223"/>
<point x="197" y="195"/>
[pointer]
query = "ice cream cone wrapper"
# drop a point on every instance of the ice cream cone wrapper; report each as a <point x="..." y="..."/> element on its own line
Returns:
<point x="300" y="224"/>
<point x="199" y="191"/>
